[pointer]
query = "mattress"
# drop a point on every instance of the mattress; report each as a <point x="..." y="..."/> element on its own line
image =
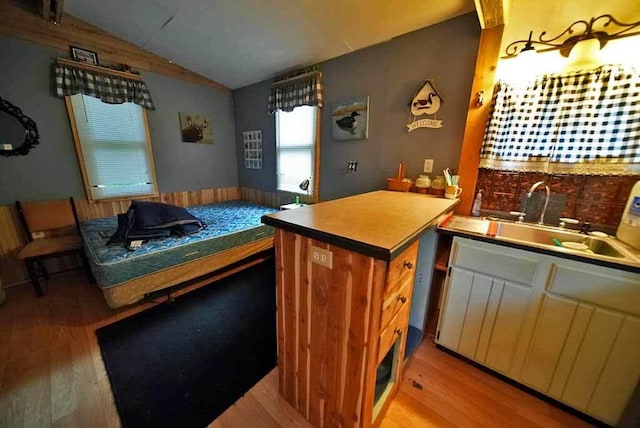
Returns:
<point x="229" y="224"/>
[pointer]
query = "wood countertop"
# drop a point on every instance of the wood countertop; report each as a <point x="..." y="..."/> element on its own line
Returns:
<point x="380" y="224"/>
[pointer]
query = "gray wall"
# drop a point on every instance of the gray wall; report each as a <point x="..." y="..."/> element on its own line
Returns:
<point x="51" y="169"/>
<point x="389" y="73"/>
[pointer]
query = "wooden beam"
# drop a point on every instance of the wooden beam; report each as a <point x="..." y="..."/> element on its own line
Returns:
<point x="477" y="115"/>
<point x="58" y="11"/>
<point x="23" y="24"/>
<point x="492" y="13"/>
<point x="46" y="9"/>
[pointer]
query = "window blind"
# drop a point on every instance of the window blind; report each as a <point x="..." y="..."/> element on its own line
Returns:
<point x="295" y="146"/>
<point x="114" y="148"/>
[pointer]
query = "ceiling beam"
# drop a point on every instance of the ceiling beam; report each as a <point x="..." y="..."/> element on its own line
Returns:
<point x="58" y="7"/>
<point x="46" y="9"/>
<point x="492" y="13"/>
<point x="23" y="24"/>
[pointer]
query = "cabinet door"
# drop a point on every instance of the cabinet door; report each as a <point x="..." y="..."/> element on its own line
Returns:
<point x="549" y="337"/>
<point x="454" y="308"/>
<point x="509" y="320"/>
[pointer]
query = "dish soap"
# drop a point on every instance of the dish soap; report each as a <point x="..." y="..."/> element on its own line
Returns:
<point x="477" y="203"/>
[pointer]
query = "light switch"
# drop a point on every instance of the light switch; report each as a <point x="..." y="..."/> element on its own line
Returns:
<point x="428" y="165"/>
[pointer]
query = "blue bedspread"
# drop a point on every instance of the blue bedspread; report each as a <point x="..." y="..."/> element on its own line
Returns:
<point x="229" y="224"/>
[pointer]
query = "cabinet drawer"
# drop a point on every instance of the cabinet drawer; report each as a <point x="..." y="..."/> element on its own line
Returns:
<point x="500" y="262"/>
<point x="397" y="299"/>
<point x="396" y="328"/>
<point x="401" y="267"/>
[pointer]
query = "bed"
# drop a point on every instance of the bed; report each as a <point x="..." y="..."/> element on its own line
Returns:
<point x="233" y="233"/>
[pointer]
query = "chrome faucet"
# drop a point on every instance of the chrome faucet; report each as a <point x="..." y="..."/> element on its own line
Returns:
<point x="546" y="201"/>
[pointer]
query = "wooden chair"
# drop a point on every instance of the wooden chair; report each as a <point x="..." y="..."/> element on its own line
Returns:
<point x="52" y="229"/>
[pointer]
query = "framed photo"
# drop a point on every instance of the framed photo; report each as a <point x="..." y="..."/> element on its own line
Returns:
<point x="350" y="119"/>
<point x="83" y="55"/>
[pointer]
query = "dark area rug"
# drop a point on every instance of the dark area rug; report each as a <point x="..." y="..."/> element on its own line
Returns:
<point x="184" y="363"/>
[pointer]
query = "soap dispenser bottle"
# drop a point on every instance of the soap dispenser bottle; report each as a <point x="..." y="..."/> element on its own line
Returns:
<point x="477" y="203"/>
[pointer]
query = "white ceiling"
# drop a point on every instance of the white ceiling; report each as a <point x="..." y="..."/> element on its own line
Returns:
<point x="239" y="42"/>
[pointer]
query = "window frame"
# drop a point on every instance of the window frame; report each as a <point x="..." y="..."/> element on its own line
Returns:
<point x="81" y="161"/>
<point x="315" y="189"/>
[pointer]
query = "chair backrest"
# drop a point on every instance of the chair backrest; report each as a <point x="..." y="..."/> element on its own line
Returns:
<point x="48" y="216"/>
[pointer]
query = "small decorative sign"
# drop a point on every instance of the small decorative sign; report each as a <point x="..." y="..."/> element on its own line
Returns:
<point x="252" y="149"/>
<point x="426" y="101"/>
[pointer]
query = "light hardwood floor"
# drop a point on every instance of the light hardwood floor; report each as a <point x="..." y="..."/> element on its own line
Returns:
<point x="51" y="374"/>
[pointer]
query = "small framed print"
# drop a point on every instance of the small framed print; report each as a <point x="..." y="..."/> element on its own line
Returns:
<point x="252" y="149"/>
<point x="83" y="55"/>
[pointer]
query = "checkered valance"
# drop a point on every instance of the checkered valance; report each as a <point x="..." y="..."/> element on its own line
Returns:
<point x="297" y="91"/>
<point x="585" y="122"/>
<point x="108" y="88"/>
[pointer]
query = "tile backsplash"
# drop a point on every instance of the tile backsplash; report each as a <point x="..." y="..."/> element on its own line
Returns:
<point x="599" y="200"/>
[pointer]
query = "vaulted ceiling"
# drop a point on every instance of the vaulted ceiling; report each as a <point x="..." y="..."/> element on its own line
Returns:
<point x="238" y="42"/>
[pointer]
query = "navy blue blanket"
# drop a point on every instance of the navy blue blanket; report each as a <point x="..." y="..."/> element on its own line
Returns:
<point x="147" y="220"/>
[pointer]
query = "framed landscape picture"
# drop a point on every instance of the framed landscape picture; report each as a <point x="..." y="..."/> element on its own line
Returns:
<point x="350" y="119"/>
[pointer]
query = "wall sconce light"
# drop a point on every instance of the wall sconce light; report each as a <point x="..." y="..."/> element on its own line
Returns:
<point x="565" y="46"/>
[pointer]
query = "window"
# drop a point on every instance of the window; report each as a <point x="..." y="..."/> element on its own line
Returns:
<point x="296" y="148"/>
<point x="112" y="142"/>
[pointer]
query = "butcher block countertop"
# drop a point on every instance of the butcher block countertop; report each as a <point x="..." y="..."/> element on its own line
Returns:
<point x="379" y="224"/>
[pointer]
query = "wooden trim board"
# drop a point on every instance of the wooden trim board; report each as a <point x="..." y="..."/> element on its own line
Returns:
<point x="477" y="116"/>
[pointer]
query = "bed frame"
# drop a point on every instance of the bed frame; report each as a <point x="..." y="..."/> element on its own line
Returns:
<point x="138" y="288"/>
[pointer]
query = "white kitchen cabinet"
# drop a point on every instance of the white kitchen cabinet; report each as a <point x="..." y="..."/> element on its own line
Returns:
<point x="564" y="328"/>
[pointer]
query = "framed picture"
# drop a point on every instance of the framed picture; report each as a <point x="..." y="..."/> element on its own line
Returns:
<point x="83" y="55"/>
<point x="195" y="128"/>
<point x="350" y="119"/>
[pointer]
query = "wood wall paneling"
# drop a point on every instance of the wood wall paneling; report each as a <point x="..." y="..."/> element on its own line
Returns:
<point x="477" y="116"/>
<point x="324" y="330"/>
<point x="25" y="24"/>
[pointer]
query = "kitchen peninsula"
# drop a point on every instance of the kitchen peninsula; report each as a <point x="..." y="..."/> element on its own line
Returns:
<point x="345" y="273"/>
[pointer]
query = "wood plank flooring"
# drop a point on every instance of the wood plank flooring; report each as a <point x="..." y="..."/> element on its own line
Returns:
<point x="51" y="374"/>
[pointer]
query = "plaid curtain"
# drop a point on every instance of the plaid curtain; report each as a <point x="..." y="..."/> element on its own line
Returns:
<point x="107" y="88"/>
<point x="301" y="92"/>
<point x="585" y="122"/>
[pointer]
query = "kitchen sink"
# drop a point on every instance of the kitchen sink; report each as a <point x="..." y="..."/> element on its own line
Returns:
<point x="532" y="234"/>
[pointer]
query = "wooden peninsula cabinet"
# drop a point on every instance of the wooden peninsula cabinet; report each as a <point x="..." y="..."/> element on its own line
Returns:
<point x="345" y="275"/>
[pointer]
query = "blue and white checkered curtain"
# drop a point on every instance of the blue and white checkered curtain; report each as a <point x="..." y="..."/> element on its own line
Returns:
<point x="110" y="89"/>
<point x="585" y="122"/>
<point x="286" y="96"/>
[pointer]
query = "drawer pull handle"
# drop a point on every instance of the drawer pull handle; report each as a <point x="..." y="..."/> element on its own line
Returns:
<point x="397" y="331"/>
<point x="408" y="265"/>
<point x="402" y="299"/>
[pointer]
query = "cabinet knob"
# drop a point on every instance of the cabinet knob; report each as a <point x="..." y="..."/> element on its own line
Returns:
<point x="408" y="265"/>
<point x="402" y="299"/>
<point x="397" y="331"/>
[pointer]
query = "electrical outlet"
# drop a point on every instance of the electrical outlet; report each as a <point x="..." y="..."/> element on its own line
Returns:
<point x="7" y="147"/>
<point x="37" y="235"/>
<point x="352" y="166"/>
<point x="321" y="256"/>
<point x="428" y="165"/>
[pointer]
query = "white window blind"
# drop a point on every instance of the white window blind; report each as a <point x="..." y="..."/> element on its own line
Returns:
<point x="113" y="142"/>
<point x="295" y="146"/>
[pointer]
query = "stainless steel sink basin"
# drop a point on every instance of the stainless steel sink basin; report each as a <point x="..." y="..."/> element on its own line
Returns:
<point x="532" y="234"/>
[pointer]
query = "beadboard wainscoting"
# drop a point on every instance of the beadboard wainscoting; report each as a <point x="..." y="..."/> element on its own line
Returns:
<point x="12" y="235"/>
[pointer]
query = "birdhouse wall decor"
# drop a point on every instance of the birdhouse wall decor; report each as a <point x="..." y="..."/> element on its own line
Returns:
<point x="350" y="119"/>
<point x="426" y="101"/>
